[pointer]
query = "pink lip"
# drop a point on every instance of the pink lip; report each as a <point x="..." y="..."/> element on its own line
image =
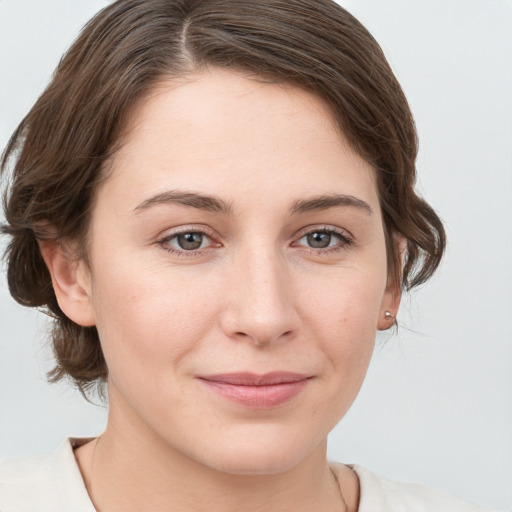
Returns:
<point x="257" y="391"/>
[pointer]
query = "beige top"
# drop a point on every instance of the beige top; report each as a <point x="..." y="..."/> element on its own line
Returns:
<point x="52" y="483"/>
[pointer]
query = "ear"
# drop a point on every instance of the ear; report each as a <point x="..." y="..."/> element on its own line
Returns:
<point x="389" y="307"/>
<point x="71" y="282"/>
<point x="393" y="293"/>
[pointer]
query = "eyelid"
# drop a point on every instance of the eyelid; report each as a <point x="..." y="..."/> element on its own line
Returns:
<point x="170" y="234"/>
<point x="346" y="238"/>
<point x="323" y="227"/>
<point x="187" y="228"/>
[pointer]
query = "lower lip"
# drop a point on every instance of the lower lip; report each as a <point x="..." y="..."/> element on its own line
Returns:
<point x="258" y="397"/>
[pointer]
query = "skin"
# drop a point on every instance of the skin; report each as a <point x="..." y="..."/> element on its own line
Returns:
<point x="255" y="297"/>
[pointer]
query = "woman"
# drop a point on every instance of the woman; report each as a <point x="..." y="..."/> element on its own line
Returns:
<point x="215" y="201"/>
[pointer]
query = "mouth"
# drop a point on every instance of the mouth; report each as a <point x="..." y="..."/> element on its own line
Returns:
<point x="257" y="391"/>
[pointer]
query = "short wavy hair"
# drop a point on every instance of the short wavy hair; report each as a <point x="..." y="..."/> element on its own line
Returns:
<point x="60" y="148"/>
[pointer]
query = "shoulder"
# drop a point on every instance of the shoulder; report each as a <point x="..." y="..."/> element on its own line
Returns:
<point x="378" y="494"/>
<point x="48" y="482"/>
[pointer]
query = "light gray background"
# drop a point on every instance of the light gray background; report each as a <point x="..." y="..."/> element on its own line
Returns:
<point x="437" y="404"/>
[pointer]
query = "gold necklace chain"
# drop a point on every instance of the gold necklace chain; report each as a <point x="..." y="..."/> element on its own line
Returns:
<point x="338" y="485"/>
<point x="91" y="475"/>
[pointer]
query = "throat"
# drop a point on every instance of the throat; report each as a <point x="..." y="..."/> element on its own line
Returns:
<point x="123" y="483"/>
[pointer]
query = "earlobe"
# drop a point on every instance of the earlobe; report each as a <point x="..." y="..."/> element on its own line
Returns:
<point x="70" y="280"/>
<point x="393" y="293"/>
<point x="389" y="309"/>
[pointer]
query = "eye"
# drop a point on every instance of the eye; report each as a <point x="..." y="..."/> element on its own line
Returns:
<point x="319" y="239"/>
<point x="325" y="238"/>
<point x="186" y="241"/>
<point x="190" y="241"/>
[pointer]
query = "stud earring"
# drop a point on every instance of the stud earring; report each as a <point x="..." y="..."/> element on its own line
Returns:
<point x="388" y="315"/>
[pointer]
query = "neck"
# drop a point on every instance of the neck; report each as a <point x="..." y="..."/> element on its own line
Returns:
<point x="134" y="480"/>
<point x="128" y="482"/>
<point x="131" y="469"/>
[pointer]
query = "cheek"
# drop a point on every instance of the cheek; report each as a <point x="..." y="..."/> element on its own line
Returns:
<point x="346" y="300"/>
<point x="146" y="320"/>
<point x="342" y="315"/>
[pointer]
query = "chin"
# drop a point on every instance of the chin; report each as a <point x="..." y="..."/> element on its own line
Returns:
<point x="243" y="463"/>
<point x="260" y="454"/>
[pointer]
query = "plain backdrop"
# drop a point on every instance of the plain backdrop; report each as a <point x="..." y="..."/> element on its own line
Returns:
<point x="436" y="407"/>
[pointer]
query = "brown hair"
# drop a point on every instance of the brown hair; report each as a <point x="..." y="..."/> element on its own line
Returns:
<point x="61" y="147"/>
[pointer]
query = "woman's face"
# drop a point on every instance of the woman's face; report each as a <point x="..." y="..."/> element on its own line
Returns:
<point x="237" y="273"/>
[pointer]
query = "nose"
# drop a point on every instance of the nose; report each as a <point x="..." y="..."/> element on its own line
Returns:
<point x="260" y="303"/>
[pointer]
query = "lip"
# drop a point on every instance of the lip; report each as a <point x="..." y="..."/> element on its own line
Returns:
<point x="257" y="391"/>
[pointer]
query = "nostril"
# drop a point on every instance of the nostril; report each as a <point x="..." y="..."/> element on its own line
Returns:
<point x="262" y="339"/>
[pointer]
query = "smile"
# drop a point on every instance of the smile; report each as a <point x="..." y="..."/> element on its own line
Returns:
<point x="257" y="391"/>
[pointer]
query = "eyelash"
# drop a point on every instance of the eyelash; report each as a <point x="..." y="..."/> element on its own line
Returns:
<point x="185" y="231"/>
<point x="345" y="241"/>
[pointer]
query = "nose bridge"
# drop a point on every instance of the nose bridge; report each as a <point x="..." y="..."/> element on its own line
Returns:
<point x="261" y="305"/>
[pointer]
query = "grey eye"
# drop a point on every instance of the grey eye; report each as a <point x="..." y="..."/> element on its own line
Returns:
<point x="189" y="241"/>
<point x="319" y="239"/>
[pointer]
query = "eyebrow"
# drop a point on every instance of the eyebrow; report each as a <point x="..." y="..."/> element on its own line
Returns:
<point x="217" y="205"/>
<point x="324" y="202"/>
<point x="192" y="199"/>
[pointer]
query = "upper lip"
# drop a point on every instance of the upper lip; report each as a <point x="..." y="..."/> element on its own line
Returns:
<point x="253" y="379"/>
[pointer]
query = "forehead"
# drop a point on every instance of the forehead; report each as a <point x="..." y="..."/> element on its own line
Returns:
<point x="230" y="135"/>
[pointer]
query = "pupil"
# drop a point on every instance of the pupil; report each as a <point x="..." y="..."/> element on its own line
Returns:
<point x="190" y="241"/>
<point x="319" y="240"/>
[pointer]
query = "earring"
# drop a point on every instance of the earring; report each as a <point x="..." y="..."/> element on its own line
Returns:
<point x="388" y="315"/>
